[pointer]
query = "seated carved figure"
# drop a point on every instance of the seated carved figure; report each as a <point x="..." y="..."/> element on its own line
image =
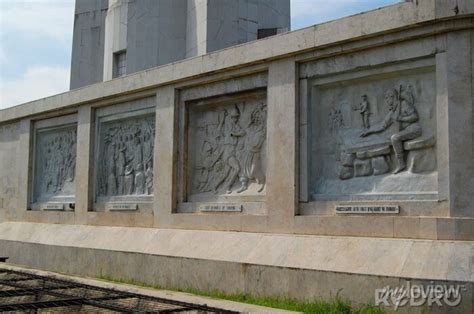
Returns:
<point x="402" y="109"/>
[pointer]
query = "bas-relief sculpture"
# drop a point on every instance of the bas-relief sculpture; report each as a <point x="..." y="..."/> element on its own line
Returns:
<point x="55" y="164"/>
<point x="227" y="149"/>
<point x="126" y="157"/>
<point x="388" y="138"/>
<point x="402" y="111"/>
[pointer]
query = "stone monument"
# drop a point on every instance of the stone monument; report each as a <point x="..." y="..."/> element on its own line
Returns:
<point x="332" y="160"/>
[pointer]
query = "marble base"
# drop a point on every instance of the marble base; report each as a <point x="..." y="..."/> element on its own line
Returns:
<point x="318" y="267"/>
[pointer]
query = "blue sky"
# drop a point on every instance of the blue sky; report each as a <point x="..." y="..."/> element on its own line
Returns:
<point x="36" y="41"/>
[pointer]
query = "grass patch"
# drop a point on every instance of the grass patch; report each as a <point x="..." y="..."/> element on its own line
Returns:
<point x="336" y="306"/>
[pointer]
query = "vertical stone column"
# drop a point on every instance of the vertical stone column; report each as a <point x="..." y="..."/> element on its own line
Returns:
<point x="442" y="138"/>
<point x="84" y="172"/>
<point x="282" y="145"/>
<point x="459" y="79"/>
<point x="165" y="146"/>
<point x="115" y="35"/>
<point x="24" y="162"/>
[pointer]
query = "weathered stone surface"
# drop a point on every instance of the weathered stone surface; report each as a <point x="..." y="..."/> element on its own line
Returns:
<point x="347" y="159"/>
<point x="54" y="167"/>
<point x="9" y="137"/>
<point x="380" y="165"/>
<point x="177" y="252"/>
<point x="346" y="173"/>
<point x="399" y="251"/>
<point x="358" y="113"/>
<point x="227" y="147"/>
<point x="421" y="161"/>
<point x="363" y="168"/>
<point x="420" y="143"/>
<point x="126" y="146"/>
<point x="55" y="164"/>
<point x="374" y="152"/>
<point x="342" y="71"/>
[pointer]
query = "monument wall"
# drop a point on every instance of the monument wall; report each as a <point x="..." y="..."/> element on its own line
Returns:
<point x="359" y="127"/>
<point x="327" y="131"/>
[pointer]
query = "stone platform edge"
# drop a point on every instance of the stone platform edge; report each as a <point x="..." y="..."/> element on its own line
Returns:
<point x="399" y="258"/>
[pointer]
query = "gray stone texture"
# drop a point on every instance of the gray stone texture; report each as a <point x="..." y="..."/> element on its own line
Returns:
<point x="87" y="61"/>
<point x="380" y="165"/>
<point x="157" y="32"/>
<point x="338" y="126"/>
<point x="433" y="191"/>
<point x="240" y="262"/>
<point x="55" y="164"/>
<point x="312" y="81"/>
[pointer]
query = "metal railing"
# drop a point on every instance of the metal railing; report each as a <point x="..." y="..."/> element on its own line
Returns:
<point x="22" y="291"/>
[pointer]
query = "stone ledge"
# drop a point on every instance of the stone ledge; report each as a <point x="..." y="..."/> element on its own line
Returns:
<point x="404" y="258"/>
<point x="177" y="272"/>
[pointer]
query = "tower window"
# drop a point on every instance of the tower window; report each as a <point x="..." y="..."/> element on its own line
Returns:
<point x="266" y="32"/>
<point x="120" y="65"/>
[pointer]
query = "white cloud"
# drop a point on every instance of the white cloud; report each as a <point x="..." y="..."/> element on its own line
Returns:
<point x="38" y="18"/>
<point x="38" y="82"/>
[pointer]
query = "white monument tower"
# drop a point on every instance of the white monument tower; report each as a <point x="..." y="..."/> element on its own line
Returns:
<point x="117" y="37"/>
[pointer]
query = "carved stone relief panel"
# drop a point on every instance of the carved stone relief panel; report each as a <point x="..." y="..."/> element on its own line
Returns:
<point x="125" y="156"/>
<point x="226" y="148"/>
<point x="54" y="164"/>
<point x="374" y="136"/>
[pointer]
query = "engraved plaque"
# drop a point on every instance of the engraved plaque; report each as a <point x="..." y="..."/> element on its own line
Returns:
<point x="122" y="207"/>
<point x="220" y="207"/>
<point x="53" y="206"/>
<point x="368" y="209"/>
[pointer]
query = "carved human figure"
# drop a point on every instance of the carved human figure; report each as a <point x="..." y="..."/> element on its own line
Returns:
<point x="128" y="180"/>
<point x="331" y="120"/>
<point x="129" y="146"/>
<point x="111" y="178"/>
<point x="252" y="162"/>
<point x="71" y="164"/>
<point x="58" y="162"/>
<point x="336" y="120"/>
<point x="121" y="161"/>
<point x="232" y="132"/>
<point x="213" y="160"/>
<point x="148" y="146"/>
<point x="401" y="105"/>
<point x="140" y="182"/>
<point x="339" y="119"/>
<point x="126" y="162"/>
<point x="48" y="168"/>
<point x="52" y="168"/>
<point x="364" y="110"/>
<point x="205" y="168"/>
<point x="212" y="169"/>
<point x="137" y="152"/>
<point x="149" y="178"/>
